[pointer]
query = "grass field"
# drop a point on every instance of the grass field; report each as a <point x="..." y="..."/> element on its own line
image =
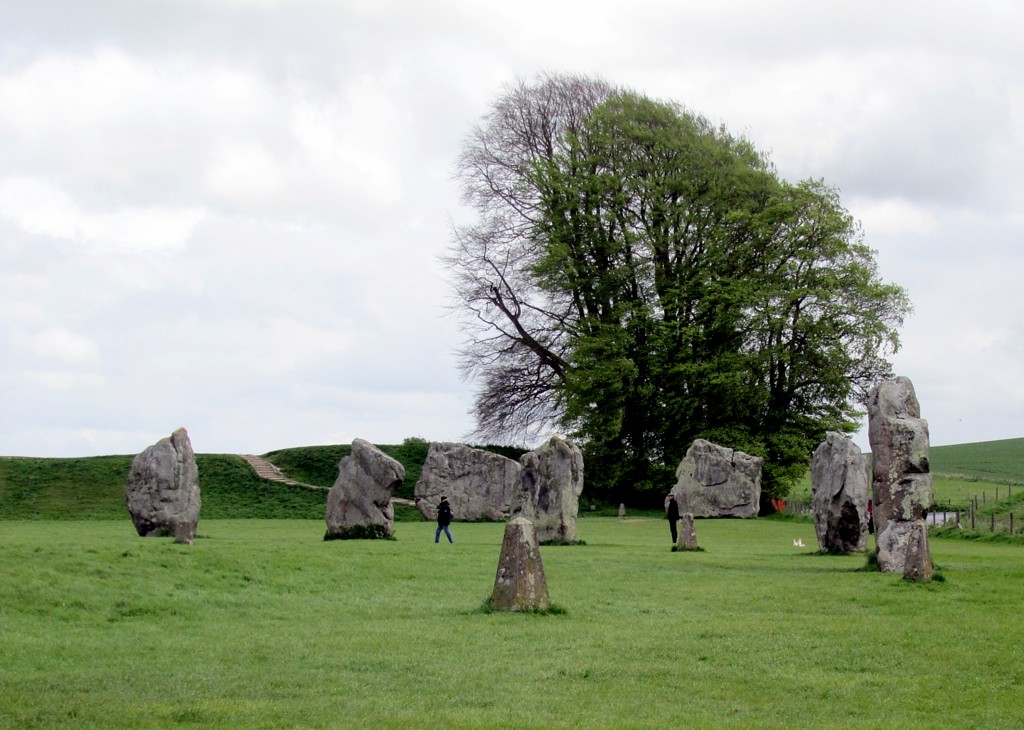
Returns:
<point x="262" y="624"/>
<point x="991" y="461"/>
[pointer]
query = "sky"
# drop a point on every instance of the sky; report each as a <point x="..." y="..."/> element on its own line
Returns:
<point x="228" y="215"/>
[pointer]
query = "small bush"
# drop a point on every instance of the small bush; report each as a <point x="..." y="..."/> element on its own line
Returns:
<point x="871" y="564"/>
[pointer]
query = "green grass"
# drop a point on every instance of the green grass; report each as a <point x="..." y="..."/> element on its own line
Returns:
<point x="989" y="461"/>
<point x="262" y="624"/>
<point x="85" y="488"/>
<point x="93" y="489"/>
<point x="310" y="464"/>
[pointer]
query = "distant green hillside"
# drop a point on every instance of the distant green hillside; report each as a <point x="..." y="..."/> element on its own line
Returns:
<point x="318" y="465"/>
<point x="993" y="461"/>
<point x="960" y="471"/>
<point x="93" y="487"/>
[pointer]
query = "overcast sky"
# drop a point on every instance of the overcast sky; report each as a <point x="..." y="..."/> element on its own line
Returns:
<point x="227" y="214"/>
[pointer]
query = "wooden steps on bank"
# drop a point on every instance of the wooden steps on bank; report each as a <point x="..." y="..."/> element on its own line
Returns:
<point x="265" y="470"/>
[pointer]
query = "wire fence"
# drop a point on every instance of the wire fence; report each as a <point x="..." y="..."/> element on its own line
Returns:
<point x="973" y="518"/>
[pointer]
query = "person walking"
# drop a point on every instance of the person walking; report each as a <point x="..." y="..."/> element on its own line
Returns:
<point x="444" y="518"/>
<point x="672" y="515"/>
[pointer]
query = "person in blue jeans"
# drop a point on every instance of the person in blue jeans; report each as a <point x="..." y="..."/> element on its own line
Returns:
<point x="444" y="518"/>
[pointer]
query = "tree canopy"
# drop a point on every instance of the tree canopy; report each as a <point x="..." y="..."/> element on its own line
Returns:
<point x="639" y="277"/>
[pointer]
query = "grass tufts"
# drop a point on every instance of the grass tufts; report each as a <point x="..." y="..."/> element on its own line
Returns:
<point x="554" y="609"/>
<point x="360" y="532"/>
<point x="557" y="543"/>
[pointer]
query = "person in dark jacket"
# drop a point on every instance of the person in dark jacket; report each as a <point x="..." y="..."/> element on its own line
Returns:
<point x="672" y="515"/>
<point x="444" y="518"/>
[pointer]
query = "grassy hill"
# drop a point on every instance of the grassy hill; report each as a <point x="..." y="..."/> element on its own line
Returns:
<point x="93" y="487"/>
<point x="992" y="461"/>
<point x="961" y="471"/>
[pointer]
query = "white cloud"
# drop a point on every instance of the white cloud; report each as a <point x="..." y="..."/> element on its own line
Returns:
<point x="63" y="346"/>
<point x="42" y="209"/>
<point x="62" y="380"/>
<point x="892" y="216"/>
<point x="238" y="231"/>
<point x="246" y="173"/>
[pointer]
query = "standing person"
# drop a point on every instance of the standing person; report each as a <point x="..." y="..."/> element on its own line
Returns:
<point x="672" y="514"/>
<point x="444" y="518"/>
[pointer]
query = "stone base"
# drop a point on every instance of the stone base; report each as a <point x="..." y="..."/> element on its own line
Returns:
<point x="361" y="532"/>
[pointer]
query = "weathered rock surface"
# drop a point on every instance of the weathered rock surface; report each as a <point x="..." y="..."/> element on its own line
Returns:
<point x="520" y="584"/>
<point x="359" y="503"/>
<point x="918" y="564"/>
<point x="162" y="489"/>
<point x="714" y="481"/>
<point x="480" y="485"/>
<point x="901" y="482"/>
<point x="687" y="533"/>
<point x="841" y="485"/>
<point x="549" y="495"/>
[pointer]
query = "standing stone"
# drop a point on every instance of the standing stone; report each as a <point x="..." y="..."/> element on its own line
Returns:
<point x="549" y="495"/>
<point x="480" y="485"/>
<point x="918" y="565"/>
<point x="520" y="584"/>
<point x="901" y="480"/>
<point x="687" y="533"/>
<point x="714" y="481"/>
<point x="162" y="489"/>
<point x="622" y="509"/>
<point x="359" y="503"/>
<point x="840" y="484"/>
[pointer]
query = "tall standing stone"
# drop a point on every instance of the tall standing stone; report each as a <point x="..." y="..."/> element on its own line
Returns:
<point x="162" y="489"/>
<point x="901" y="479"/>
<point x="359" y="503"/>
<point x="479" y="484"/>
<point x="549" y="496"/>
<point x="520" y="584"/>
<point x="841" y="484"/>
<point x="715" y="481"/>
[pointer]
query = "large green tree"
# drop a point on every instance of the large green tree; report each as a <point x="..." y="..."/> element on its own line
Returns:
<point x="639" y="277"/>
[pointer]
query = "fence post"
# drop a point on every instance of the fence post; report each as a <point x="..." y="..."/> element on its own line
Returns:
<point x="1011" y="523"/>
<point x="957" y="523"/>
<point x="993" y="529"/>
<point x="972" y="516"/>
